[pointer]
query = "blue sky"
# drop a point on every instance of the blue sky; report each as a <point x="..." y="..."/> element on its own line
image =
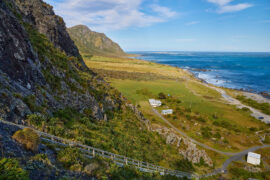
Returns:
<point x="174" y="25"/>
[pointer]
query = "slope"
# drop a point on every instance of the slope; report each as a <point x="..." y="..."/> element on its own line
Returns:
<point x="94" y="43"/>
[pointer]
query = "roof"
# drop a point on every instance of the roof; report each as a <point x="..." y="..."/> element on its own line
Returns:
<point x="154" y="101"/>
<point x="254" y="155"/>
<point x="167" y="110"/>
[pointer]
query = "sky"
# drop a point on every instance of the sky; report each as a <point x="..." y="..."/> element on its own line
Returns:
<point x="174" y="25"/>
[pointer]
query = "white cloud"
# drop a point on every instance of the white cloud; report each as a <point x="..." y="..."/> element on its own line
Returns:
<point x="220" y="2"/>
<point x="225" y="6"/>
<point x="106" y="15"/>
<point x="234" y="8"/>
<point x="163" y="11"/>
<point x="192" y="23"/>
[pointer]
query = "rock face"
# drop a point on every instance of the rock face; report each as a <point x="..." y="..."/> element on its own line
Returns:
<point x="41" y="15"/>
<point x="17" y="58"/>
<point x="94" y="43"/>
<point x="41" y="70"/>
<point x="186" y="148"/>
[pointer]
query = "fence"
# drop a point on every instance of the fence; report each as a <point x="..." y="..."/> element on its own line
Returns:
<point x="118" y="159"/>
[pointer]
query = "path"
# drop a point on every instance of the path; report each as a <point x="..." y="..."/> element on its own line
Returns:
<point x="234" y="156"/>
<point x="255" y="113"/>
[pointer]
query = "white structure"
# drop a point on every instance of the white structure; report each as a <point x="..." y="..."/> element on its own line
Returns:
<point x="254" y="158"/>
<point x="155" y="103"/>
<point x="167" y="111"/>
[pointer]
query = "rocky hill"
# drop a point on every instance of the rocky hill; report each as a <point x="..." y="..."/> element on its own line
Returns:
<point x="94" y="43"/>
<point x="45" y="84"/>
<point x="42" y="66"/>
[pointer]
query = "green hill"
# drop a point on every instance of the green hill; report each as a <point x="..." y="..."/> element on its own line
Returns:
<point x="94" y="43"/>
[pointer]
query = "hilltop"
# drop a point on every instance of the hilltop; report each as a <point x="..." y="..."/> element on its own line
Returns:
<point x="94" y="43"/>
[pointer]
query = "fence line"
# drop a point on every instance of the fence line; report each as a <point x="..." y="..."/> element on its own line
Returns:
<point x="118" y="159"/>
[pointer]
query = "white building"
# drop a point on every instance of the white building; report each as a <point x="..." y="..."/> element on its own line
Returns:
<point x="167" y="111"/>
<point x="254" y="158"/>
<point x="155" y="103"/>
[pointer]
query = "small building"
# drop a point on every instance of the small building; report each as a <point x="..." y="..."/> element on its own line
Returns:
<point x="154" y="103"/>
<point x="254" y="158"/>
<point x="167" y="111"/>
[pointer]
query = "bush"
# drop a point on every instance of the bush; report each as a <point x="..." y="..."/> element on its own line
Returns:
<point x="10" y="170"/>
<point x="35" y="119"/>
<point x="206" y="132"/>
<point x="28" y="138"/>
<point x="161" y="95"/>
<point x="71" y="158"/>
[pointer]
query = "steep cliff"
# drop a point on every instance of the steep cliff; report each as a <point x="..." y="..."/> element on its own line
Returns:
<point x="41" y="70"/>
<point x="94" y="43"/>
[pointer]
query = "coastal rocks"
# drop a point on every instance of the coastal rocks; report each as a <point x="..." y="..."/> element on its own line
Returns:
<point x="186" y="148"/>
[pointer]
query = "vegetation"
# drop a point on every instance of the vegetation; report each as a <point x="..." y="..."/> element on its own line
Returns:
<point x="264" y="107"/>
<point x="10" y="170"/>
<point x="94" y="43"/>
<point x="198" y="110"/>
<point x="120" y="135"/>
<point x="102" y="168"/>
<point x="28" y="138"/>
<point x="241" y="174"/>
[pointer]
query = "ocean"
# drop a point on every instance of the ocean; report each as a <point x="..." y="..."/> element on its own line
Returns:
<point x="245" y="71"/>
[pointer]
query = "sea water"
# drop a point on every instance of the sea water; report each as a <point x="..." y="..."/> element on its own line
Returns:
<point x="246" y="71"/>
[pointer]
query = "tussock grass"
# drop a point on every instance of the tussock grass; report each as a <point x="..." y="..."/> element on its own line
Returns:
<point x="28" y="138"/>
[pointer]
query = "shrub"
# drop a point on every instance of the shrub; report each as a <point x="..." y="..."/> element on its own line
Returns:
<point x="42" y="158"/>
<point x="206" y="132"/>
<point x="253" y="129"/>
<point x="35" y="119"/>
<point x="188" y="110"/>
<point x="71" y="158"/>
<point x="28" y="138"/>
<point x="161" y="95"/>
<point x="10" y="170"/>
<point x="201" y="119"/>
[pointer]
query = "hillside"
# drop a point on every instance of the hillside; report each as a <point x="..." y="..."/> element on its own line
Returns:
<point x="45" y="84"/>
<point x="94" y="43"/>
<point x="202" y="117"/>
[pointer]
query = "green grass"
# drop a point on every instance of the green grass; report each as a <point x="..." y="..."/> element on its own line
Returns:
<point x="263" y="107"/>
<point x="206" y="104"/>
<point x="10" y="170"/>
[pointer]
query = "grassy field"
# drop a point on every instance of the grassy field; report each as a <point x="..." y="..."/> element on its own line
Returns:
<point x="198" y="110"/>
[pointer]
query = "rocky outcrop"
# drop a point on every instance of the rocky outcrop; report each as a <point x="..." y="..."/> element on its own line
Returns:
<point x="42" y="16"/>
<point x="186" y="148"/>
<point x="41" y="70"/>
<point x="140" y="116"/>
<point x="17" y="58"/>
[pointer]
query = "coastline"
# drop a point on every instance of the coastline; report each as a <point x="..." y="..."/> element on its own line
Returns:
<point x="257" y="96"/>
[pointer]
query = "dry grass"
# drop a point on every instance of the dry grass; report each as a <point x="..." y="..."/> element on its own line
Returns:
<point x="28" y="138"/>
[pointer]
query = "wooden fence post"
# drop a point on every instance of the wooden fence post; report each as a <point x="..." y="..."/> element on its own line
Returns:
<point x="93" y="152"/>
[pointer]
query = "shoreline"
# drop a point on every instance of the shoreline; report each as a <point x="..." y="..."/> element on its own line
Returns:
<point x="263" y="95"/>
